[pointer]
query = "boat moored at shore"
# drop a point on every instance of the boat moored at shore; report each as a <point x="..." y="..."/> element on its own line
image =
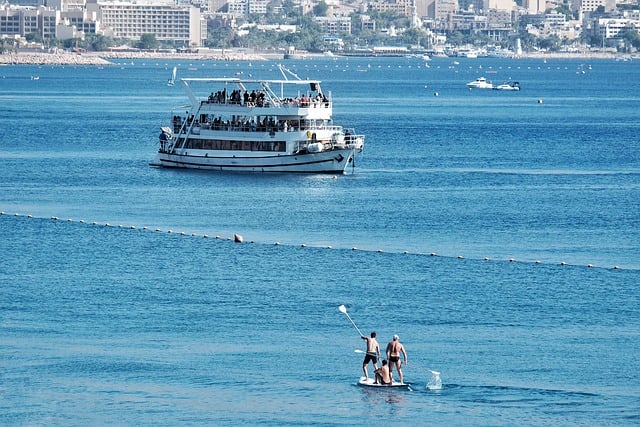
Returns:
<point x="249" y="125"/>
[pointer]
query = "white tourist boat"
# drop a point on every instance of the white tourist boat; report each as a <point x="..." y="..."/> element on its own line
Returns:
<point x="480" y="83"/>
<point x="247" y="125"/>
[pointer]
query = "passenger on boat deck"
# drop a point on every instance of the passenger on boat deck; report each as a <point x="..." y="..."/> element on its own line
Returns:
<point x="217" y="98"/>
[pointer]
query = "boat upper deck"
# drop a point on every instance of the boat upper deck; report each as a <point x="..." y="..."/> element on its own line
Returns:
<point x="287" y="99"/>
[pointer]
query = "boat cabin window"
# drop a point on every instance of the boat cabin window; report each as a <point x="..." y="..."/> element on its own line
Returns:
<point x="221" y="144"/>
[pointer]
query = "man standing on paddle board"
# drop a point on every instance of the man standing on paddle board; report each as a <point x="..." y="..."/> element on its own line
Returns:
<point x="394" y="348"/>
<point x="373" y="353"/>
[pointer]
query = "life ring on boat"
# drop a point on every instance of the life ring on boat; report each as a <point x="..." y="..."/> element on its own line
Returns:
<point x="309" y="133"/>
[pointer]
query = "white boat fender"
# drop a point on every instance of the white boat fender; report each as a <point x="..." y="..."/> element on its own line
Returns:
<point x="315" y="147"/>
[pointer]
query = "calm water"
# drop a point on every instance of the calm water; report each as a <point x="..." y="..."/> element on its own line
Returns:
<point x="122" y="325"/>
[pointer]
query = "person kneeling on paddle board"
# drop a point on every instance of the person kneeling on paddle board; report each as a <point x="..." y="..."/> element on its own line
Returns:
<point x="373" y="353"/>
<point x="394" y="348"/>
<point x="382" y="374"/>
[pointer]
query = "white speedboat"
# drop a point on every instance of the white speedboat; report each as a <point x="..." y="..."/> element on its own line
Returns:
<point x="480" y="83"/>
<point x="246" y="125"/>
<point x="508" y="86"/>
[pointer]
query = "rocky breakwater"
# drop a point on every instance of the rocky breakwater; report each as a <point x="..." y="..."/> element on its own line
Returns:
<point x="60" y="58"/>
<point x="205" y="55"/>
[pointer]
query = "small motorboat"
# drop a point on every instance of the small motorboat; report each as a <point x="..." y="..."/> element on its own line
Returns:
<point x="480" y="83"/>
<point x="508" y="86"/>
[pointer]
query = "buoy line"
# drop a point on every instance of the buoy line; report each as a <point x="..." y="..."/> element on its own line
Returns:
<point x="238" y="238"/>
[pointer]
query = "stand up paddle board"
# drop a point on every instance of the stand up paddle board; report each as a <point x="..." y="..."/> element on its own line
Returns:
<point x="370" y="383"/>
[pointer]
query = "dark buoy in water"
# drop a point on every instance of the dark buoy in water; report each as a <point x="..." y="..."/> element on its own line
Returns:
<point x="238" y="238"/>
<point x="539" y="100"/>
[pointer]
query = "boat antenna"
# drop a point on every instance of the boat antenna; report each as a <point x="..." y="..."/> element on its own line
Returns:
<point x="284" y="71"/>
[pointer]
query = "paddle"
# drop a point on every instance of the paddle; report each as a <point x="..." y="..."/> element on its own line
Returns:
<point x="343" y="310"/>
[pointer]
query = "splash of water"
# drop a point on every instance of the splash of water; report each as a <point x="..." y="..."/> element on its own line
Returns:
<point x="435" y="382"/>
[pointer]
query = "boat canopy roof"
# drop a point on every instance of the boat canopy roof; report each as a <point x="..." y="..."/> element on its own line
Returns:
<point x="268" y="86"/>
<point x="249" y="81"/>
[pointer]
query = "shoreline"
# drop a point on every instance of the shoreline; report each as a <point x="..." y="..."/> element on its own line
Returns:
<point x="105" y="58"/>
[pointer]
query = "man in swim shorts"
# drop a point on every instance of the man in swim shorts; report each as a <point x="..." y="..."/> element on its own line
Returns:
<point x="394" y="349"/>
<point x="382" y="374"/>
<point x="372" y="355"/>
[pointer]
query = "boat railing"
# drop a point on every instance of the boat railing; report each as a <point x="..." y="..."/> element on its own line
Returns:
<point x="281" y="103"/>
<point x="189" y="125"/>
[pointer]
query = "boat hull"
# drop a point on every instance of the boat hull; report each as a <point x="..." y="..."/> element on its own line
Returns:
<point x="334" y="161"/>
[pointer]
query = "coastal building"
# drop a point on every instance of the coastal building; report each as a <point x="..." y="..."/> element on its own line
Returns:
<point x="609" y="28"/>
<point x="68" y="19"/>
<point x="503" y="5"/>
<point x="444" y="9"/>
<point x="585" y="6"/>
<point x="552" y="20"/>
<point x="535" y="7"/>
<point x="244" y="7"/>
<point x="425" y="8"/>
<point x="334" y="25"/>
<point x="401" y="7"/>
<point x="167" y="20"/>
<point x="238" y="7"/>
<point x="19" y="21"/>
<point x="367" y="23"/>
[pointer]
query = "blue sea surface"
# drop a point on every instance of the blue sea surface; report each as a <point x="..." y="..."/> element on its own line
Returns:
<point x="498" y="233"/>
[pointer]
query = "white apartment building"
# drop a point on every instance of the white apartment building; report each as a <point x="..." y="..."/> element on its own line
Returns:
<point x="334" y="25"/>
<point x="401" y="7"/>
<point x="609" y="28"/>
<point x="445" y="8"/>
<point x="238" y="7"/>
<point x="168" y="21"/>
<point x="506" y="5"/>
<point x="591" y="5"/>
<point x="535" y="7"/>
<point x="258" y="6"/>
<point x="246" y="7"/>
<point x="20" y="21"/>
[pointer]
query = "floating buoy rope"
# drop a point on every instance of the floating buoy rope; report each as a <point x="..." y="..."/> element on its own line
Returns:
<point x="238" y="238"/>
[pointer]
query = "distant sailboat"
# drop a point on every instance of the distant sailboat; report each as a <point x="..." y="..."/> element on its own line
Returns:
<point x="172" y="80"/>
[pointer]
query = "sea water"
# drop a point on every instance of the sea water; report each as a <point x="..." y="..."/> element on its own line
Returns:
<point x="496" y="232"/>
